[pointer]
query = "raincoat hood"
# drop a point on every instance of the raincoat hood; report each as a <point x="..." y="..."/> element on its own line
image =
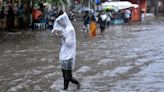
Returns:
<point x="62" y="22"/>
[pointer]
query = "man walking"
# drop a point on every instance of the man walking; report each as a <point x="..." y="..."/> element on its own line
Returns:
<point x="63" y="28"/>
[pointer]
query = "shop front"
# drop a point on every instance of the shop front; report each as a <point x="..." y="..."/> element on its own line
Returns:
<point x="121" y="11"/>
<point x="117" y="18"/>
<point x="139" y="13"/>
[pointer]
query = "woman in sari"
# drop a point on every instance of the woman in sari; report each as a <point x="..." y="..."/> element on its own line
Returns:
<point x="92" y="27"/>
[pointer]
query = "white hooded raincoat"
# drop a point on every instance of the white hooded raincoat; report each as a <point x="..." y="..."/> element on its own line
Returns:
<point x="68" y="48"/>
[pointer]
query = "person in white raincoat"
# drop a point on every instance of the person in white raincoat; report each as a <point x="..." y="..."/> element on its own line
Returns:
<point x="64" y="29"/>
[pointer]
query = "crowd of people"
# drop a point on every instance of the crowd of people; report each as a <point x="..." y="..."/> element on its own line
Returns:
<point x="12" y="17"/>
<point x="90" y="23"/>
<point x="104" y="20"/>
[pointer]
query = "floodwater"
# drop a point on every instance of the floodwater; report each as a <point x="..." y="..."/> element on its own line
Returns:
<point x="130" y="58"/>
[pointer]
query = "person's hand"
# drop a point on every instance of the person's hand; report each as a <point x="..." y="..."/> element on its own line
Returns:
<point x="58" y="33"/>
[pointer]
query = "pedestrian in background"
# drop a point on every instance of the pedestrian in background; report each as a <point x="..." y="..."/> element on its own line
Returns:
<point x="92" y="31"/>
<point x="16" y="21"/>
<point x="10" y="19"/>
<point x="86" y="22"/>
<point x="2" y="18"/>
<point x="127" y="15"/>
<point x="20" y="16"/>
<point x="103" y="19"/>
<point x="64" y="29"/>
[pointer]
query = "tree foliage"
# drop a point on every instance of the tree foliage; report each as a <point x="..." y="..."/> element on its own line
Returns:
<point x="56" y="2"/>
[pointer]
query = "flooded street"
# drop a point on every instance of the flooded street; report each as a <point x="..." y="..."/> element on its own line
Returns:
<point x="130" y="58"/>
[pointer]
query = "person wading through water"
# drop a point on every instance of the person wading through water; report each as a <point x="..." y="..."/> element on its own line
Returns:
<point x="92" y="27"/>
<point x="10" y="19"/>
<point x="64" y="29"/>
<point x="103" y="18"/>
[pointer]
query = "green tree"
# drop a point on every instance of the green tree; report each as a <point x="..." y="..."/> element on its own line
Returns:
<point x="55" y="2"/>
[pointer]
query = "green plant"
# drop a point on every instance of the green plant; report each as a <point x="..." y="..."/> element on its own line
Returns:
<point x="56" y="2"/>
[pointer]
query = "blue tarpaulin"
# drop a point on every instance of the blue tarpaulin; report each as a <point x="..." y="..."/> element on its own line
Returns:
<point x="97" y="1"/>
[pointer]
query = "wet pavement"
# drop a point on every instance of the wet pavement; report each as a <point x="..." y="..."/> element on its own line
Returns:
<point x="130" y="58"/>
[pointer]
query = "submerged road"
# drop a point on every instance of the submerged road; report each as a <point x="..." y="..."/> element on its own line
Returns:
<point x="130" y="58"/>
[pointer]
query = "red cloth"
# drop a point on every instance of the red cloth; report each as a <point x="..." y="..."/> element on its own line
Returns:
<point x="36" y="14"/>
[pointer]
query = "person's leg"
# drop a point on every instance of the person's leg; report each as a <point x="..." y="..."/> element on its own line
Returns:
<point x="83" y="28"/>
<point x="1" y="24"/>
<point x="126" y="20"/>
<point x="66" y="79"/>
<point x="72" y="79"/>
<point x="87" y="28"/>
<point x="22" y="23"/>
<point x="9" y="25"/>
<point x="100" y="30"/>
<point x="67" y="74"/>
<point x="107" y="23"/>
<point x="13" y="24"/>
<point x="19" y="24"/>
<point x="103" y="32"/>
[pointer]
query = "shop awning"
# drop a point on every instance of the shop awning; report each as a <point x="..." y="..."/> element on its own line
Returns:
<point x="119" y="5"/>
